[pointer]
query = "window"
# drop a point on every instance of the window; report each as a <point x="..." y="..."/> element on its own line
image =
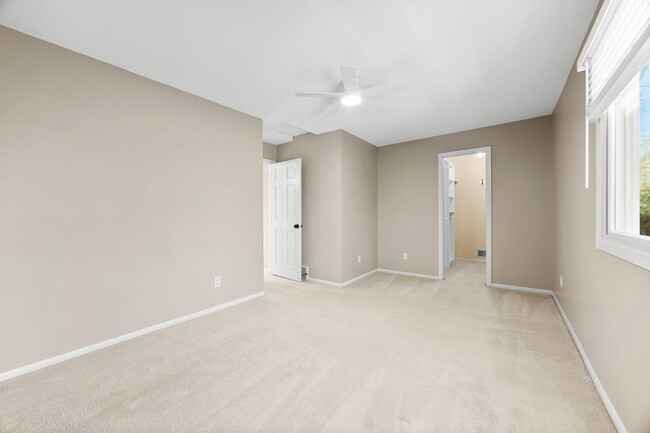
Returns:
<point x="616" y="59"/>
<point x="628" y="159"/>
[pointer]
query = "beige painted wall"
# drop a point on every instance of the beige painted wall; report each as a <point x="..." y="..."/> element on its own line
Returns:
<point x="269" y="151"/>
<point x="522" y="201"/>
<point x="470" y="206"/>
<point x="121" y="199"/>
<point x="359" y="206"/>
<point x="321" y="201"/>
<point x="605" y="298"/>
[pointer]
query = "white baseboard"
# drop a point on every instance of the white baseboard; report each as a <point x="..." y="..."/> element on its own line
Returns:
<point x="325" y="282"/>
<point x="93" y="347"/>
<point x="410" y="274"/>
<point x="470" y="260"/>
<point x="522" y="289"/>
<point x="616" y="420"/>
<point x="346" y="283"/>
<point x="360" y="277"/>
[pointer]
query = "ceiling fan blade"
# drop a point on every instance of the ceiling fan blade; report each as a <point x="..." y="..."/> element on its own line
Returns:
<point x="332" y="111"/>
<point x="365" y="111"/>
<point x="320" y="94"/>
<point x="350" y="78"/>
<point x="323" y="106"/>
<point x="397" y="86"/>
<point x="374" y="108"/>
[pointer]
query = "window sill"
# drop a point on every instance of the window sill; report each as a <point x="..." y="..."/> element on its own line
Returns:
<point x="629" y="248"/>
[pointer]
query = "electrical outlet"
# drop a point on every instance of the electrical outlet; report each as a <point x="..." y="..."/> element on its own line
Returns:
<point x="217" y="282"/>
<point x="561" y="282"/>
<point x="405" y="256"/>
<point x="358" y="259"/>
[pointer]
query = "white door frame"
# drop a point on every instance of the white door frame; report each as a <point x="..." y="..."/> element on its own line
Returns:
<point x="488" y="208"/>
<point x="268" y="205"/>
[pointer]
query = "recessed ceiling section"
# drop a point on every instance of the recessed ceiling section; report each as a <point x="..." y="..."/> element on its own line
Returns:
<point x="469" y="64"/>
<point x="272" y="136"/>
<point x="280" y="132"/>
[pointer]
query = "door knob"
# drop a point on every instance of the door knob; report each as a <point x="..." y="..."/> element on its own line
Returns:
<point x="296" y="226"/>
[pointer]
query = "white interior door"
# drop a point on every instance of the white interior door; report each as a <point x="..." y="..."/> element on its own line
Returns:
<point x="285" y="216"/>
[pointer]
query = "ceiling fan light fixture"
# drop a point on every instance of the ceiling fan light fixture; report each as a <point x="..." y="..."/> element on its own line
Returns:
<point x="351" y="99"/>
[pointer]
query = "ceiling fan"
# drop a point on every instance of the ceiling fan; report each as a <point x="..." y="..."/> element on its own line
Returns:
<point x="352" y="94"/>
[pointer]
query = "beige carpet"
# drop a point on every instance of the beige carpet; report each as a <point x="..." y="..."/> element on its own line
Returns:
<point x="387" y="354"/>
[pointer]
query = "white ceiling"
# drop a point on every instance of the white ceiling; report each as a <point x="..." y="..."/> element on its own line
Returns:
<point x="470" y="63"/>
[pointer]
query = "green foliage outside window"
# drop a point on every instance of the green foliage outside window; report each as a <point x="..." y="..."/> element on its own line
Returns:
<point x="645" y="187"/>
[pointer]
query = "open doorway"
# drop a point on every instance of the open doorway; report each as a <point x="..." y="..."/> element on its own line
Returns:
<point x="464" y="209"/>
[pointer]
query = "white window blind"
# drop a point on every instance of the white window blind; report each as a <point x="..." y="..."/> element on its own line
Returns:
<point x="617" y="47"/>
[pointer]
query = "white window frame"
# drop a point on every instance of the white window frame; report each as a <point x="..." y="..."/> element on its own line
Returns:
<point x="632" y="248"/>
